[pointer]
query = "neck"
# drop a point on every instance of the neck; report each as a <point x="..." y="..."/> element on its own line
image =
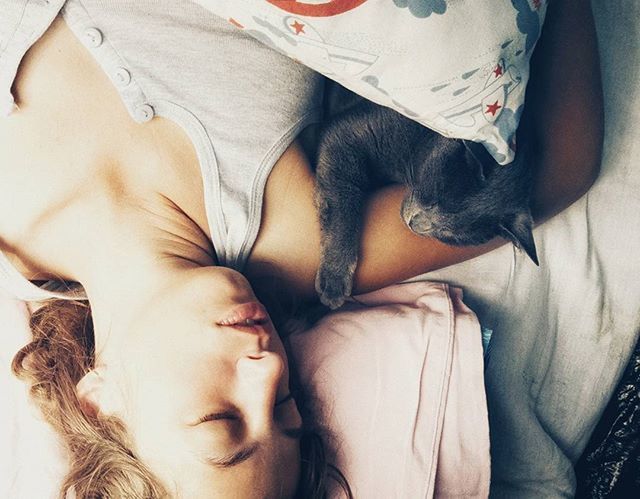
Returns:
<point x="131" y="249"/>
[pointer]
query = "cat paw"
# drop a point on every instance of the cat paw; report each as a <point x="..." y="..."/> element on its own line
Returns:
<point x="333" y="286"/>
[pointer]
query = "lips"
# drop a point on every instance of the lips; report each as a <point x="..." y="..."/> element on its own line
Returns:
<point x="247" y="315"/>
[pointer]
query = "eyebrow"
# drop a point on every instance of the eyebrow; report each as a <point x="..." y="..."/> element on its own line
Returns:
<point x="245" y="453"/>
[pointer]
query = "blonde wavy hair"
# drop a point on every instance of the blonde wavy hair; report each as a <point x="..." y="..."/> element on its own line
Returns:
<point x="102" y="462"/>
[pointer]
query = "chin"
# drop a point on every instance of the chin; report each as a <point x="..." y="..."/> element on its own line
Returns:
<point x="226" y="282"/>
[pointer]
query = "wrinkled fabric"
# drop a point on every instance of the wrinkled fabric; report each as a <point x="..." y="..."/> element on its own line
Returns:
<point x="396" y="380"/>
<point x="563" y="332"/>
<point x="459" y="67"/>
<point x="610" y="465"/>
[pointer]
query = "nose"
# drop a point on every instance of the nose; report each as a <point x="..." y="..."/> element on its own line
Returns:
<point x="416" y="214"/>
<point x="419" y="222"/>
<point x="259" y="376"/>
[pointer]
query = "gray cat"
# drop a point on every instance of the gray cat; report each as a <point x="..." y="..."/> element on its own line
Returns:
<point x="457" y="192"/>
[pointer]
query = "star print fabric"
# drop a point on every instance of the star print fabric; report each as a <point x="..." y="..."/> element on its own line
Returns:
<point x="459" y="67"/>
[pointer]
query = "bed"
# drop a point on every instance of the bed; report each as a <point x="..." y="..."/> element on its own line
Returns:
<point x="562" y="333"/>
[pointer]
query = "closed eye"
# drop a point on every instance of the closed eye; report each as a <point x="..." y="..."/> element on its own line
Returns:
<point x="233" y="416"/>
<point x="219" y="416"/>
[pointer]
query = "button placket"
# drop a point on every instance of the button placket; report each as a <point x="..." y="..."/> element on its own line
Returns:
<point x="94" y="37"/>
<point x="144" y="113"/>
<point x="130" y="92"/>
<point x="122" y="77"/>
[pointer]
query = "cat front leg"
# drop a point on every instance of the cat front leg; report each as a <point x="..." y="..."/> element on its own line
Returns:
<point x="339" y="239"/>
<point x="340" y="234"/>
<point x="340" y="195"/>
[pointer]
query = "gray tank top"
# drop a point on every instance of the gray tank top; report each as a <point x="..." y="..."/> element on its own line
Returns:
<point x="240" y="102"/>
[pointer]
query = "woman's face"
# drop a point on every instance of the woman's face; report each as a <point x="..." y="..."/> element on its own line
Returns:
<point x="203" y="387"/>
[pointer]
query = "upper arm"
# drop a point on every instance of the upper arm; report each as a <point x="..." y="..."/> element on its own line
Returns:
<point x="564" y="104"/>
<point x="565" y="107"/>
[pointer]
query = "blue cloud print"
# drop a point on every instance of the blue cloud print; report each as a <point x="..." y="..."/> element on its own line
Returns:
<point x="528" y="22"/>
<point x="423" y="8"/>
<point x="507" y="124"/>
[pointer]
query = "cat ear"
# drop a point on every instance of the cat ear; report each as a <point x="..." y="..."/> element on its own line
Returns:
<point x="519" y="230"/>
<point x="480" y="158"/>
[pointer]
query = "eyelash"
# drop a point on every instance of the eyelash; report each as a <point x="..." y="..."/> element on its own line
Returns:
<point x="224" y="416"/>
<point x="230" y="416"/>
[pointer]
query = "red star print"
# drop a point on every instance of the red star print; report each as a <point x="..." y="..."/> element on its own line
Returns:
<point x="299" y="27"/>
<point x="536" y="4"/>
<point x="498" y="70"/>
<point x="493" y="108"/>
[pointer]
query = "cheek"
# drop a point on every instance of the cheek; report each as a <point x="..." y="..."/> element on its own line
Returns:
<point x="166" y="398"/>
<point x="171" y="384"/>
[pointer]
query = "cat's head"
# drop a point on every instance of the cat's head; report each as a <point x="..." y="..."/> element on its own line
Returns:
<point x="461" y="196"/>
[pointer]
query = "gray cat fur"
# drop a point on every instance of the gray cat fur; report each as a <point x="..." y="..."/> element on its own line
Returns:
<point x="457" y="193"/>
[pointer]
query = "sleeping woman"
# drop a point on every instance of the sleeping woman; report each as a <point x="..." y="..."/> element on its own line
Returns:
<point x="149" y="163"/>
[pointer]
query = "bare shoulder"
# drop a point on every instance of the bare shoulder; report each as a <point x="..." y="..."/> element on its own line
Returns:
<point x="288" y="243"/>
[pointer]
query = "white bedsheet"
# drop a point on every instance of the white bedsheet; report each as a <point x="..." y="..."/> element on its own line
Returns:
<point x="563" y="332"/>
<point x="31" y="459"/>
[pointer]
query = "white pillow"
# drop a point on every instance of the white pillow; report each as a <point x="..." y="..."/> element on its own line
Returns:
<point x="460" y="67"/>
<point x="397" y="380"/>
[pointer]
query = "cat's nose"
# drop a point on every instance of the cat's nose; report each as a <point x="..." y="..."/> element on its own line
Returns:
<point x="419" y="223"/>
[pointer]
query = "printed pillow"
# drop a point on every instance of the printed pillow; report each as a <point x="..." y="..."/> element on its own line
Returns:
<point x="459" y="67"/>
